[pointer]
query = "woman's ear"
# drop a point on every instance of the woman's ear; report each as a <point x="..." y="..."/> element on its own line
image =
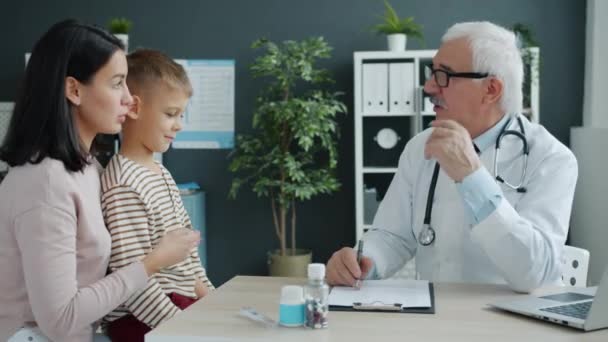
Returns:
<point x="72" y="90"/>
<point x="493" y="90"/>
<point x="135" y="108"/>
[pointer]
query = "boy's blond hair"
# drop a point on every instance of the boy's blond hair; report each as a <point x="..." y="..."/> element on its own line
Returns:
<point x="147" y="67"/>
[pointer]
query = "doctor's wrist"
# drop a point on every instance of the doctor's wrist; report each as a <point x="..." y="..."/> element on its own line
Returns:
<point x="466" y="173"/>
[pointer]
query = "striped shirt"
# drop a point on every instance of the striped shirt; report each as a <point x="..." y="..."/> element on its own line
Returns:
<point x="139" y="208"/>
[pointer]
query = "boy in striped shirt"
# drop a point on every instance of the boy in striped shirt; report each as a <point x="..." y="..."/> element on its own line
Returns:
<point x="140" y="199"/>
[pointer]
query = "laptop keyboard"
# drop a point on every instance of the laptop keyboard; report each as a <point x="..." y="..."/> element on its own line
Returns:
<point x="577" y="310"/>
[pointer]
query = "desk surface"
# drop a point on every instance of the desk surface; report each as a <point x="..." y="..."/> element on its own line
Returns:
<point x="461" y="315"/>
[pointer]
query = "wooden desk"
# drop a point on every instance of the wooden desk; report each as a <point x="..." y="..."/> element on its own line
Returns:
<point x="461" y="315"/>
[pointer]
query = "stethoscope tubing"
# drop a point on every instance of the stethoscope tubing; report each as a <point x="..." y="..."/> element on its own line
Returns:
<point x="427" y="235"/>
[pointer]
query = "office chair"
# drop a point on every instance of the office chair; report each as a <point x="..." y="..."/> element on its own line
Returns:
<point x="575" y="264"/>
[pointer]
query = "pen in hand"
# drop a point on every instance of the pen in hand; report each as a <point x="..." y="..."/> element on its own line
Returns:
<point x="359" y="256"/>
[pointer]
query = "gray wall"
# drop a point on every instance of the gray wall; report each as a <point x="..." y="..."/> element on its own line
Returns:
<point x="240" y="231"/>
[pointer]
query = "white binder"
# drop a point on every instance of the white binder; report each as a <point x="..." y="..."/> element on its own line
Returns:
<point x="375" y="92"/>
<point x="401" y="88"/>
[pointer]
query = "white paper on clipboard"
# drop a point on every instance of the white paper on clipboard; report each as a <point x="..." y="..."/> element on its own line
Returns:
<point x="407" y="293"/>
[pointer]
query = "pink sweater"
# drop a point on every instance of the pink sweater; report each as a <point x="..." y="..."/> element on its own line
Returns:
<point x="54" y="252"/>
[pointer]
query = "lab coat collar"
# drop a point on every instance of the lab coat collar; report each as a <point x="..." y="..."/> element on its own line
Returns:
<point x="488" y="138"/>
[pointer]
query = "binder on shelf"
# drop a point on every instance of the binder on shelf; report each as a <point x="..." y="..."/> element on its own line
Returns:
<point x="401" y="88"/>
<point x="375" y="92"/>
<point x="370" y="205"/>
<point x="393" y="295"/>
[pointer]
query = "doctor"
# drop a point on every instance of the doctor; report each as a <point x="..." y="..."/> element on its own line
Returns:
<point x="478" y="229"/>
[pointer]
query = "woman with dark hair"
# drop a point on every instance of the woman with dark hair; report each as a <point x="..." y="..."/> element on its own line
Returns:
<point x="54" y="247"/>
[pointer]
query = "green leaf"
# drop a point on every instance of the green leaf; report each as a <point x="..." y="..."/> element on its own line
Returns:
<point x="119" y="25"/>
<point x="392" y="23"/>
<point x="292" y="152"/>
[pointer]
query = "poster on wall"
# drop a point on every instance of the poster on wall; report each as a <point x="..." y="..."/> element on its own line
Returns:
<point x="209" y="117"/>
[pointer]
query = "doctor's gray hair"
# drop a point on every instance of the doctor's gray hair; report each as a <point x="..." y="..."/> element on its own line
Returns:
<point x="495" y="51"/>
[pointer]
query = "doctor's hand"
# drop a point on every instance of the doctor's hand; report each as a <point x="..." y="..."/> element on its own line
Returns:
<point x="451" y="145"/>
<point x="342" y="267"/>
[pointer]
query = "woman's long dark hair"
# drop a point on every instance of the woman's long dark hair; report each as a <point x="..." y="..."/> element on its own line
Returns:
<point x="42" y="124"/>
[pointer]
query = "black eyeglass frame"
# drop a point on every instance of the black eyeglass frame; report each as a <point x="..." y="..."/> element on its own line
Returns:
<point x="430" y="72"/>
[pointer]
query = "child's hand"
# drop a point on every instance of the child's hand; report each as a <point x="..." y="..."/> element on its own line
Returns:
<point x="200" y="289"/>
<point x="174" y="247"/>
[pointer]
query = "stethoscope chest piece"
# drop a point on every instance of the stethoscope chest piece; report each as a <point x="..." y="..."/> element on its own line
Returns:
<point x="427" y="235"/>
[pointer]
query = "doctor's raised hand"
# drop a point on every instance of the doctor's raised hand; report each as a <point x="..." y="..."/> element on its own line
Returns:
<point x="343" y="269"/>
<point x="451" y="145"/>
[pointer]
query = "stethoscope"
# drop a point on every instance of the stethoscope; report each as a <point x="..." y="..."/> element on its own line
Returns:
<point x="427" y="235"/>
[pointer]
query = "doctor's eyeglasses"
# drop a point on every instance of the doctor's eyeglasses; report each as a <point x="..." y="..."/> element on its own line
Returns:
<point x="442" y="77"/>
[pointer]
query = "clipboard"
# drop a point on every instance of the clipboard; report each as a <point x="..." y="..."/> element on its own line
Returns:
<point x="389" y="307"/>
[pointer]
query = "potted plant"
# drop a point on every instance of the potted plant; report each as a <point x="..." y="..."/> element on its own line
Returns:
<point x="120" y="28"/>
<point x="397" y="29"/>
<point x="291" y="155"/>
<point x="530" y="55"/>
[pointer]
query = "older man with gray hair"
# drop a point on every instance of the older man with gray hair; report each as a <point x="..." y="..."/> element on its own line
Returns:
<point x="483" y="195"/>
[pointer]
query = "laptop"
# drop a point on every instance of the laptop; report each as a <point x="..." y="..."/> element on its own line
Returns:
<point x="581" y="308"/>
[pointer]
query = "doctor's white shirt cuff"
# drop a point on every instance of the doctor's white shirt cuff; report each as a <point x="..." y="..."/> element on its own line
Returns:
<point x="480" y="194"/>
<point x="372" y="274"/>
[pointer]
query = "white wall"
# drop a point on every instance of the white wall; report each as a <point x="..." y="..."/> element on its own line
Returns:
<point x="595" y="113"/>
<point x="589" y="143"/>
<point x="589" y="227"/>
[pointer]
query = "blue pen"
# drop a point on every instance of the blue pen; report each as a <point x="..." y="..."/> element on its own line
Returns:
<point x="359" y="256"/>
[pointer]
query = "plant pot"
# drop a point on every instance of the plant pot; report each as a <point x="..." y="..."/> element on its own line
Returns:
<point x="124" y="38"/>
<point x="289" y="265"/>
<point x="396" y="41"/>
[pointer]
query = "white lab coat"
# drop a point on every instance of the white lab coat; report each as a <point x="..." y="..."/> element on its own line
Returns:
<point x="520" y="243"/>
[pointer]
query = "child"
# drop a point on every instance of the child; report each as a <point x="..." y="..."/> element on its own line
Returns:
<point x="141" y="202"/>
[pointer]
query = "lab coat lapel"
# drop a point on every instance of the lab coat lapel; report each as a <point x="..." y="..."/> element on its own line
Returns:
<point x="448" y="220"/>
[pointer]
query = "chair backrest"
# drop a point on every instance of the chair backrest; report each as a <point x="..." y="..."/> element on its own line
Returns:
<point x="575" y="264"/>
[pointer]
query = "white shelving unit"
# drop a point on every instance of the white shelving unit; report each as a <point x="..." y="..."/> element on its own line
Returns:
<point x="388" y="95"/>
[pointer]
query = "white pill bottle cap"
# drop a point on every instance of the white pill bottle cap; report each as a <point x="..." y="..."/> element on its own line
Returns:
<point x="292" y="295"/>
<point x="316" y="271"/>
